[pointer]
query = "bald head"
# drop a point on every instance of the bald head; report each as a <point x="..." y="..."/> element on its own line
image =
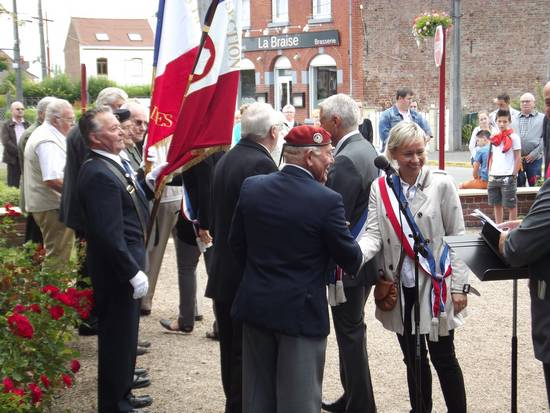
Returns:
<point x="546" y="95"/>
<point x="527" y="103"/>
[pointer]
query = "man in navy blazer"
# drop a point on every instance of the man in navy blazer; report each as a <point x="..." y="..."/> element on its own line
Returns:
<point x="287" y="229"/>
<point x="115" y="215"/>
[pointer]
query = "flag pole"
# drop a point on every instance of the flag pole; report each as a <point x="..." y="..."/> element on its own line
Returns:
<point x="205" y="29"/>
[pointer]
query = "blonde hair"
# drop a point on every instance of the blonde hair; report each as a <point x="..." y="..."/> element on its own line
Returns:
<point x="404" y="132"/>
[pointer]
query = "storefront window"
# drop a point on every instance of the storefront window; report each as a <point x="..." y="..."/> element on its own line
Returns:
<point x="248" y="85"/>
<point x="325" y="83"/>
<point x="323" y="76"/>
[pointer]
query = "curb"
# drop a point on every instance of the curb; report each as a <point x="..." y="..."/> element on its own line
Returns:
<point x="450" y="163"/>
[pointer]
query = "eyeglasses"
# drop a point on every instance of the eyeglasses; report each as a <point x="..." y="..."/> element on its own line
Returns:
<point x="68" y="120"/>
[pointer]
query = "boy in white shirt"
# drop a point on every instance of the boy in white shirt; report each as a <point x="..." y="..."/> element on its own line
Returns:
<point x="504" y="164"/>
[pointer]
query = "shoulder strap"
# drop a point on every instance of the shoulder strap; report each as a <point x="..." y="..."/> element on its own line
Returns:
<point x="129" y="185"/>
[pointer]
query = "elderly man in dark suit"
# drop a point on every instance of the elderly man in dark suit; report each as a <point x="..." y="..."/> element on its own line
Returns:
<point x="260" y="127"/>
<point x="286" y="229"/>
<point x="115" y="212"/>
<point x="351" y="176"/>
<point x="11" y="134"/>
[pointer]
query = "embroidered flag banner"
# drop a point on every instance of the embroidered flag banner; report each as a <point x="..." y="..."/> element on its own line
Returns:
<point x="205" y="121"/>
<point x="177" y="42"/>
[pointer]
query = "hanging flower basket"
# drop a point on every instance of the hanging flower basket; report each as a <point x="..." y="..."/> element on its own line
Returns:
<point x="424" y="25"/>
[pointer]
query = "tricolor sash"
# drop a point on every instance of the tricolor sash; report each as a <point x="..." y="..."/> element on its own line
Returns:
<point x="187" y="210"/>
<point x="336" y="293"/>
<point x="428" y="264"/>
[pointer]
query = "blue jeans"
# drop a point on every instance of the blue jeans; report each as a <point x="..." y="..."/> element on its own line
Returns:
<point x="533" y="171"/>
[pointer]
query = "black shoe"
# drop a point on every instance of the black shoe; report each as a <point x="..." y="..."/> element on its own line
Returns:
<point x="140" y="371"/>
<point x="144" y="312"/>
<point x="141" y="351"/>
<point x="88" y="329"/>
<point x="144" y="343"/>
<point x="338" y="406"/>
<point x="212" y="335"/>
<point x="175" y="326"/>
<point x="138" y="402"/>
<point x="141" y="382"/>
<point x="199" y="318"/>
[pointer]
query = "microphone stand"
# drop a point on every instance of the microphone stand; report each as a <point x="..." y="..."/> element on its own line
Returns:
<point x="418" y="248"/>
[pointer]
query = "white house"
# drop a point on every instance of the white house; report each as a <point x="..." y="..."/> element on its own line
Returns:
<point x="120" y="49"/>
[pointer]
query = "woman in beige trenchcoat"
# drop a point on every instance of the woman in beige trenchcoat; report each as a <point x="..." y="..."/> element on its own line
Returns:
<point x="434" y="203"/>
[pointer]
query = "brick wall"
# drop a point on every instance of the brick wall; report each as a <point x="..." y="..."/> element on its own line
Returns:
<point x="477" y="199"/>
<point x="505" y="46"/>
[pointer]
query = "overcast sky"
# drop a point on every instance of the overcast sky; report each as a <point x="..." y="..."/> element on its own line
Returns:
<point x="60" y="11"/>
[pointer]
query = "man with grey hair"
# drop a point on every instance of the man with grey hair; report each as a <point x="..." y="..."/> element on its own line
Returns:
<point x="10" y="135"/>
<point x="260" y="126"/>
<point x="528" y="125"/>
<point x="45" y="155"/>
<point x="32" y="232"/>
<point x="76" y="154"/>
<point x="290" y="112"/>
<point x="351" y="176"/>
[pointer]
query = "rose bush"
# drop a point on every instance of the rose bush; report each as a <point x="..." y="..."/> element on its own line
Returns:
<point x="38" y="316"/>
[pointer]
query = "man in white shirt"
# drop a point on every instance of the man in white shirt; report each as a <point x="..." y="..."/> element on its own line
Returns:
<point x="45" y="155"/>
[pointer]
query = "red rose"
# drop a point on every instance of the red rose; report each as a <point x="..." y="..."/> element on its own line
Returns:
<point x="75" y="366"/>
<point x="35" y="308"/>
<point x="19" y="392"/>
<point x="19" y="308"/>
<point x="8" y="385"/>
<point x="68" y="380"/>
<point x="20" y="325"/>
<point x="84" y="314"/>
<point x="13" y="212"/>
<point x="36" y="393"/>
<point x="56" y="312"/>
<point x="45" y="381"/>
<point x="65" y="299"/>
<point x="50" y="289"/>
<point x="7" y="205"/>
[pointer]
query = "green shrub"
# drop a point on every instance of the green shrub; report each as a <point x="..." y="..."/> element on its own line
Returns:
<point x="138" y="90"/>
<point x="96" y="84"/>
<point x="8" y="194"/>
<point x="467" y="133"/>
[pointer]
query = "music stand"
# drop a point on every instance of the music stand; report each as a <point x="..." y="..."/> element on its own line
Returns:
<point x="480" y="254"/>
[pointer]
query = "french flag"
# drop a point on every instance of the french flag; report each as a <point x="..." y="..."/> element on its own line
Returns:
<point x="177" y="42"/>
<point x="205" y="121"/>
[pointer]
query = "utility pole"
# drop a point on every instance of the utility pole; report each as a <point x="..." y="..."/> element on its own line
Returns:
<point x="456" y="99"/>
<point x="16" y="55"/>
<point x="43" y="62"/>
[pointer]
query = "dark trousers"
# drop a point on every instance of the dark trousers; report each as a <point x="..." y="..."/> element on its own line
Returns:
<point x="14" y="174"/>
<point x="351" y="336"/>
<point x="231" y="348"/>
<point x="32" y="230"/>
<point x="442" y="354"/>
<point x="118" y="316"/>
<point x="546" y="367"/>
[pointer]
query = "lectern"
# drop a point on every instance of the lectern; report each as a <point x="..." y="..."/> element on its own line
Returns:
<point x="480" y="254"/>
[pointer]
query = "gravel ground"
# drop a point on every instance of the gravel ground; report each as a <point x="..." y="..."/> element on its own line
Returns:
<point x="185" y="368"/>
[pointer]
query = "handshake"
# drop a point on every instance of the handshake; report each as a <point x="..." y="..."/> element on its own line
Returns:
<point x="140" y="283"/>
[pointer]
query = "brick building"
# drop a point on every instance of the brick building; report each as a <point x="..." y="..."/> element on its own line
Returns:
<point x="300" y="51"/>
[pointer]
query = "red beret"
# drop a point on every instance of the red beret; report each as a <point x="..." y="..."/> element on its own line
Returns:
<point x="306" y="135"/>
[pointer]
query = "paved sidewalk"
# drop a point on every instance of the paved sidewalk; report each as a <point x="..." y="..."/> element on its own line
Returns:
<point x="458" y="158"/>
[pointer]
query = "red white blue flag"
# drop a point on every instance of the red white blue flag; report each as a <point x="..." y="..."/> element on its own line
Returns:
<point x="177" y="42"/>
<point x="205" y="121"/>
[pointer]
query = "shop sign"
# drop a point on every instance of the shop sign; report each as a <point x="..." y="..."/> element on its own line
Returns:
<point x="292" y="41"/>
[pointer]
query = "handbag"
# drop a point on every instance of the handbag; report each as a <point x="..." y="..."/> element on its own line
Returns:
<point x="385" y="294"/>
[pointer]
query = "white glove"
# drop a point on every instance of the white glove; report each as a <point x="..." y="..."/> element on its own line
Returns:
<point x="152" y="155"/>
<point x="151" y="177"/>
<point x="141" y="284"/>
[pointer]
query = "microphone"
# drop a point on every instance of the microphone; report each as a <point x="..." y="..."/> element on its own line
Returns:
<point x="381" y="162"/>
